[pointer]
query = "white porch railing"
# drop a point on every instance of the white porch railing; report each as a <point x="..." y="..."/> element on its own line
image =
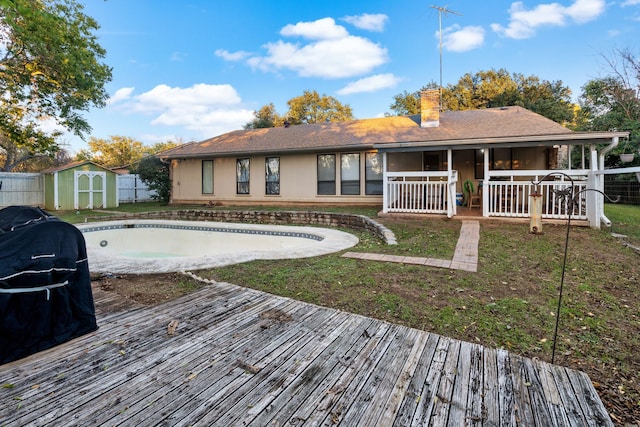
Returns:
<point x="421" y="192"/>
<point x="508" y="196"/>
<point x="504" y="193"/>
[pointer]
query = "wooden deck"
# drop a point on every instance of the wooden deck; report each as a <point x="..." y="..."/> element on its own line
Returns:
<point x="242" y="357"/>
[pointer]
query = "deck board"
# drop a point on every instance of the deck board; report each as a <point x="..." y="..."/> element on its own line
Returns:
<point x="244" y="357"/>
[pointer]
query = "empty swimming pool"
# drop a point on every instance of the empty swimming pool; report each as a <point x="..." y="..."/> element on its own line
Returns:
<point x="160" y="246"/>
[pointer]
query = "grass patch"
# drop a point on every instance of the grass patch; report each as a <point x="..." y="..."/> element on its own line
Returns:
<point x="625" y="220"/>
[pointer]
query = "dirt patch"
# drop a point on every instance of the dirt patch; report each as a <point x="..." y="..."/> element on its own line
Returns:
<point x="147" y="289"/>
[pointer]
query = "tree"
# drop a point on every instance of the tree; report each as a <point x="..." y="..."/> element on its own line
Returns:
<point x="159" y="147"/>
<point x="50" y="72"/>
<point x="38" y="163"/>
<point x="117" y="151"/>
<point x="490" y="89"/>
<point x="265" y="117"/>
<point x="306" y="108"/>
<point x="155" y="174"/>
<point x="406" y="104"/>
<point x="607" y="104"/>
<point x="120" y="151"/>
<point x="313" y="108"/>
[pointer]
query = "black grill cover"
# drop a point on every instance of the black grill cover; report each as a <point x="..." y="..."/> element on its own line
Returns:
<point x="45" y="286"/>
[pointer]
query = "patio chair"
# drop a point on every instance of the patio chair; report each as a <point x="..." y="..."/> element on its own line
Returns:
<point x="475" y="200"/>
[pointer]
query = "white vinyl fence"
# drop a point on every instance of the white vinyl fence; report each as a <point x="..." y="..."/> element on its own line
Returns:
<point x="27" y="189"/>
<point x="131" y="189"/>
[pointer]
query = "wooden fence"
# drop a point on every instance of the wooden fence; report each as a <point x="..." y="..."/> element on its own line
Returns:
<point x="27" y="189"/>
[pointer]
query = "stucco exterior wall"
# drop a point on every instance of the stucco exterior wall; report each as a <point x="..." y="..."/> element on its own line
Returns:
<point x="298" y="177"/>
<point x="298" y="182"/>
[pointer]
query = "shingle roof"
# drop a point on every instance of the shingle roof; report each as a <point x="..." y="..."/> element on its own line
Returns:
<point x="70" y="165"/>
<point x="501" y="122"/>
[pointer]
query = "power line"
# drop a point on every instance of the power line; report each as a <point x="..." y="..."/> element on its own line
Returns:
<point x="441" y="10"/>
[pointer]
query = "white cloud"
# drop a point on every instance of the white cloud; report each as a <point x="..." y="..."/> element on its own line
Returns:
<point x="462" y="39"/>
<point x="178" y="56"/>
<point x="370" y="84"/>
<point x="585" y="10"/>
<point x="232" y="56"/>
<point x="524" y="23"/>
<point x="203" y="108"/>
<point x="121" y="94"/>
<point x="333" y="53"/>
<point x="368" y="21"/>
<point x="631" y="3"/>
<point x="321" y="29"/>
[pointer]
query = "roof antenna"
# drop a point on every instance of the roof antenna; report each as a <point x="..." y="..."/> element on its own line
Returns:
<point x="441" y="10"/>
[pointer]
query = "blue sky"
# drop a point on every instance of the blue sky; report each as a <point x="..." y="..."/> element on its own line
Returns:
<point x="194" y="69"/>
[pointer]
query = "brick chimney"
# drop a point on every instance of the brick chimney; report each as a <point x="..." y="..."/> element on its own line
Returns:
<point x="430" y="108"/>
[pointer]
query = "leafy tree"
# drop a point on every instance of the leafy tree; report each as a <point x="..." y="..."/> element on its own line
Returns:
<point x="313" y="108"/>
<point x="497" y="88"/>
<point x="406" y="104"/>
<point x="607" y="104"/>
<point x="155" y="174"/>
<point x="265" y="117"/>
<point x="50" y="70"/>
<point x="38" y="163"/>
<point x="306" y="108"/>
<point x="159" y="147"/>
<point x="118" y="151"/>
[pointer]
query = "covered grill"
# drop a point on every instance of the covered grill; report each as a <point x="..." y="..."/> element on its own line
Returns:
<point x="45" y="286"/>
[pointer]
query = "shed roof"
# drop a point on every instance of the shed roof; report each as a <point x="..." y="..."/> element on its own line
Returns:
<point x="455" y="128"/>
<point x="71" y="166"/>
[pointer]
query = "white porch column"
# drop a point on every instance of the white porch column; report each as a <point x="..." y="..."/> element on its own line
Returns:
<point x="385" y="185"/>
<point x="595" y="205"/>
<point x="485" y="183"/>
<point x="451" y="192"/>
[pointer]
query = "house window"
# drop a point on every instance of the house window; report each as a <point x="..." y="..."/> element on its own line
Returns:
<point x="502" y="158"/>
<point x="272" y="171"/>
<point x="326" y="174"/>
<point x="479" y="163"/>
<point x="242" y="176"/>
<point x="373" y="174"/>
<point x="350" y="174"/>
<point x="207" y="177"/>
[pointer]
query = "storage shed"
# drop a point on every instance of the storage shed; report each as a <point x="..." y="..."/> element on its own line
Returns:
<point x="80" y="185"/>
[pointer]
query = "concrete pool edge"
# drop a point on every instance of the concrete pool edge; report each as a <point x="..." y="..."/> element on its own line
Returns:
<point x="329" y="241"/>
<point x="278" y="217"/>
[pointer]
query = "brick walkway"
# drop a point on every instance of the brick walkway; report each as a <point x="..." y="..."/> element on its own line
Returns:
<point x="465" y="257"/>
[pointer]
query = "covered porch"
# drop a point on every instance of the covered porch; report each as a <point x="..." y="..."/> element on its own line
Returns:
<point x="499" y="176"/>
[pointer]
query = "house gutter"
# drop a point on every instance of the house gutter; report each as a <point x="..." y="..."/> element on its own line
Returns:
<point x="503" y="141"/>
<point x="606" y="150"/>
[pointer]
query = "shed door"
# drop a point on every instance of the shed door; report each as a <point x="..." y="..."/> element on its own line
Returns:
<point x="90" y="190"/>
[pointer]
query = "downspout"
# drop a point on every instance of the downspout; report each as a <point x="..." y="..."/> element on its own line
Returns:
<point x="604" y="152"/>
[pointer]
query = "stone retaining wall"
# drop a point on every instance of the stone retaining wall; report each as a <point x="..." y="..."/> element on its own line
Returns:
<point x="327" y="219"/>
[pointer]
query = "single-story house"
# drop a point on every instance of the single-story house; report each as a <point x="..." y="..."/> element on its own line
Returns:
<point x="409" y="164"/>
<point x="80" y="185"/>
